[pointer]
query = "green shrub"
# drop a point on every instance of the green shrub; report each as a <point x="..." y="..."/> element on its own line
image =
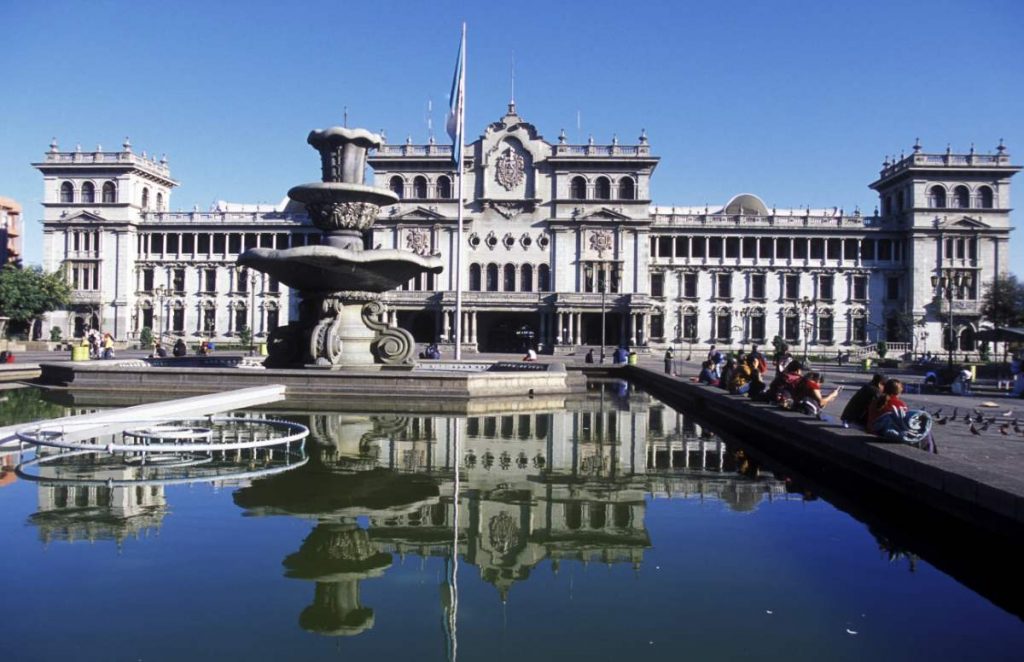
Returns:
<point x="55" y="334"/>
<point x="146" y="337"/>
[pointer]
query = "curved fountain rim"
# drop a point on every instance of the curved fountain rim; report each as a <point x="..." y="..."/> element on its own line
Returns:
<point x="344" y="254"/>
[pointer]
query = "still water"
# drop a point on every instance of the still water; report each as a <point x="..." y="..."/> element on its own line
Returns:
<point x="614" y="529"/>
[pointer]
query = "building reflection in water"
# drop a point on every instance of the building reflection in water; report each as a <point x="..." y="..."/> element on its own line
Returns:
<point x="535" y="486"/>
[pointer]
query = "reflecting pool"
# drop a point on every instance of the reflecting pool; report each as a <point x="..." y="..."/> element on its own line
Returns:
<point x="615" y="528"/>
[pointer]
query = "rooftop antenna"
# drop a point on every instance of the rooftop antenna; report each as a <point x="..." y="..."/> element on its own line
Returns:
<point x="430" y="119"/>
<point x="579" y="127"/>
<point x="513" y="74"/>
<point x="345" y="120"/>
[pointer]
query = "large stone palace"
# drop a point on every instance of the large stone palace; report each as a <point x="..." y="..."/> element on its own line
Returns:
<point x="563" y="250"/>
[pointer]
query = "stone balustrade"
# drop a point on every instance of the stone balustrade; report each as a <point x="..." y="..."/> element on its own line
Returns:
<point x="112" y="158"/>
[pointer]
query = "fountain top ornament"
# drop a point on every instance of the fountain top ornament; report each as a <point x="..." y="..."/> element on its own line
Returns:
<point x="341" y="282"/>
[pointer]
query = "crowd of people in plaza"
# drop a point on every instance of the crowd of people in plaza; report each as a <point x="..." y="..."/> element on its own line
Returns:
<point x="876" y="407"/>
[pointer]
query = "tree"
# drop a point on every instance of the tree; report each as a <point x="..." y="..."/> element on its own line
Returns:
<point x="1003" y="302"/>
<point x="25" y="294"/>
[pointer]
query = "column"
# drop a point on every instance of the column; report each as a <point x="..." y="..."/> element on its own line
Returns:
<point x="446" y="329"/>
<point x="577" y="320"/>
<point x="472" y="317"/>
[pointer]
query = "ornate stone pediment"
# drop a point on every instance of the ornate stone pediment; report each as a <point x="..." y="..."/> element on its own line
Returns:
<point x="963" y="223"/>
<point x="605" y="214"/>
<point x="420" y="214"/>
<point x="82" y="216"/>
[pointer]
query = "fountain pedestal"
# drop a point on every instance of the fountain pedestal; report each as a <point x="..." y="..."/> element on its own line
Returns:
<point x="341" y="315"/>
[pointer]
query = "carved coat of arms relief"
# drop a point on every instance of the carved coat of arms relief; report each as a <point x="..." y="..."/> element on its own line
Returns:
<point x="510" y="169"/>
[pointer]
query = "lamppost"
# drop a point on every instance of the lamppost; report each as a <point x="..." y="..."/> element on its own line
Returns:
<point x="601" y="271"/>
<point x="252" y="311"/>
<point x="805" y="306"/>
<point x="946" y="283"/>
<point x="160" y="292"/>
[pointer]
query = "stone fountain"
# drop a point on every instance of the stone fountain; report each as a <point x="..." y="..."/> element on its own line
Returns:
<point x="340" y="281"/>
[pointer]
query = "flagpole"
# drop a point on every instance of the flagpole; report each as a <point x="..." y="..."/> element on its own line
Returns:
<point x="460" y="146"/>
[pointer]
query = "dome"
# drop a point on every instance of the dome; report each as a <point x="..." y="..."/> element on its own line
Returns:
<point x="746" y="204"/>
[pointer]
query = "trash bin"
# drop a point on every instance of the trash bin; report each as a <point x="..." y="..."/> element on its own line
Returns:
<point x="79" y="352"/>
<point x="866" y="365"/>
<point x="263" y="349"/>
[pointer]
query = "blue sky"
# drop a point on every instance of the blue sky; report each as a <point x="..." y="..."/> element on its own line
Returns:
<point x="798" y="102"/>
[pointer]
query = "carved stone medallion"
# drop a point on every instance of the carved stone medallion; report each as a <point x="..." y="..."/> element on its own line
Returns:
<point x="509" y="169"/>
<point x="418" y="241"/>
<point x="601" y="241"/>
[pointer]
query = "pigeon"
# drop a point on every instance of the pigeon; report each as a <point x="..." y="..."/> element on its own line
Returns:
<point x="942" y="421"/>
<point x="1004" y="429"/>
<point x="955" y="413"/>
<point x="974" y="430"/>
<point x="984" y="427"/>
<point x="938" y="412"/>
<point x="967" y="418"/>
<point x="1008" y="412"/>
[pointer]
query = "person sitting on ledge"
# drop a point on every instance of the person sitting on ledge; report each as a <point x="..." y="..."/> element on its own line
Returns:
<point x="707" y="374"/>
<point x="782" y="390"/>
<point x="725" y="380"/>
<point x="179" y="349"/>
<point x="856" y="410"/>
<point x="158" y="351"/>
<point x="589" y="358"/>
<point x="531" y="355"/>
<point x="743" y="375"/>
<point x="808" y="394"/>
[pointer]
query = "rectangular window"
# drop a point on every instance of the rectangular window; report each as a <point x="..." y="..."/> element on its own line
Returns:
<point x="178" y="320"/>
<point x="724" y="326"/>
<point x="241" y="281"/>
<point x="156" y="243"/>
<point x="885" y="249"/>
<point x="724" y="286"/>
<point x="867" y="249"/>
<point x="714" y="247"/>
<point x="800" y="249"/>
<point x="240" y="319"/>
<point x="654" y="247"/>
<point x="972" y="249"/>
<point x="250" y="240"/>
<point x="791" y="328"/>
<point x="749" y="247"/>
<point x="699" y="247"/>
<point x="210" y="321"/>
<point x="218" y="244"/>
<point x="178" y="280"/>
<point x="209" y="280"/>
<point x="657" y="326"/>
<point x="835" y="249"/>
<point x="204" y="243"/>
<point x="234" y="243"/>
<point x="682" y="247"/>
<point x="859" y="332"/>
<point x="147" y="318"/>
<point x="274" y="286"/>
<point x="892" y="288"/>
<point x="850" y="249"/>
<point x="172" y="243"/>
<point x="757" y="286"/>
<point x="817" y="249"/>
<point x="188" y="243"/>
<point x="76" y="241"/>
<point x="658" y="285"/>
<point x="732" y="247"/>
<point x="825" y="330"/>
<point x="782" y="247"/>
<point x="860" y="288"/>
<point x="280" y="241"/>
<point x="690" y="286"/>
<point x="690" y="326"/>
<point x="664" y="247"/>
<point x="266" y="240"/>
<point x="960" y="249"/>
<point x="272" y="319"/>
<point x="147" y="280"/>
<point x="757" y="327"/>
<point x="767" y="248"/>
<point x="792" y="285"/>
<point x="825" y="288"/>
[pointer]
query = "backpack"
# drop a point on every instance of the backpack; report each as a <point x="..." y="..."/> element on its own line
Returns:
<point x="762" y="365"/>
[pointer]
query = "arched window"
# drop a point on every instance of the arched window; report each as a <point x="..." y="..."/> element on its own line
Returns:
<point x="419" y="187"/>
<point x="578" y="188"/>
<point x="627" y="189"/>
<point x="526" y="278"/>
<point x="474" y="277"/>
<point x="88" y="192"/>
<point x="509" y="284"/>
<point x="159" y="201"/>
<point x="967" y="343"/>
<point x="985" y="197"/>
<point x="444" y="187"/>
<point x="397" y="186"/>
<point x="962" y="197"/>
<point x="109" y="192"/>
<point x="603" y="189"/>
<point x="937" y="197"/>
<point x="543" y="278"/>
<point x="145" y="198"/>
<point x="67" y="192"/>
<point x="492" y="278"/>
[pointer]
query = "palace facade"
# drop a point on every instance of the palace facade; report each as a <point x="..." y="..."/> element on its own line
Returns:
<point x="564" y="250"/>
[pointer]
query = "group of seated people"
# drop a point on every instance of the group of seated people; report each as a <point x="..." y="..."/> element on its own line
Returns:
<point x="878" y="408"/>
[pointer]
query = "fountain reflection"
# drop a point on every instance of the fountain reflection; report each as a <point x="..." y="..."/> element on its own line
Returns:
<point x="552" y="486"/>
